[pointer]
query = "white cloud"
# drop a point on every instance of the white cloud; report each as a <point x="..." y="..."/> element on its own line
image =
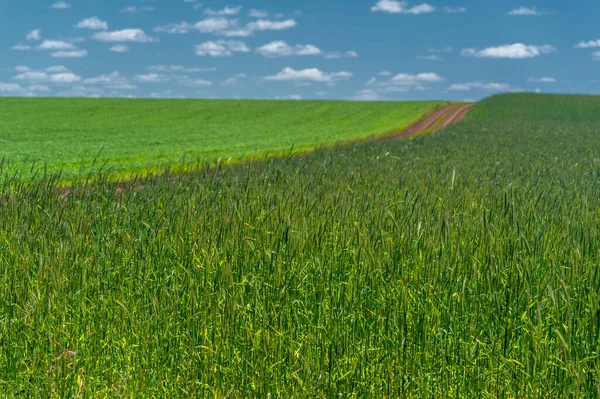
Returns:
<point x="265" y="24"/>
<point x="527" y="11"/>
<point x="224" y="11"/>
<point x="178" y="69"/>
<point x="151" y="78"/>
<point x="70" y="54"/>
<point x="440" y="50"/>
<point x="491" y="86"/>
<point x="21" y="47"/>
<point x="220" y="25"/>
<point x="66" y="77"/>
<point x="34" y="35"/>
<point x="9" y="87"/>
<point x="57" y="68"/>
<point x="430" y="57"/>
<point x="253" y="13"/>
<point x="213" y="25"/>
<point x="56" y="45"/>
<point x="92" y="23"/>
<point x="589" y="44"/>
<point x="511" y="51"/>
<point x="401" y="7"/>
<point x="311" y="75"/>
<point x="282" y="49"/>
<point x="379" y="89"/>
<point x="61" y="5"/>
<point x="454" y="10"/>
<point x="119" y="48"/>
<point x="221" y="48"/>
<point x="596" y="55"/>
<point x="134" y="9"/>
<point x="334" y="55"/>
<point x="367" y="95"/>
<point x="174" y="28"/>
<point x="38" y="88"/>
<point x="235" y="79"/>
<point x="113" y="80"/>
<point x="542" y="80"/>
<point x="57" y="74"/>
<point x="421" y="78"/>
<point x="196" y="82"/>
<point x="125" y="35"/>
<point x="32" y="75"/>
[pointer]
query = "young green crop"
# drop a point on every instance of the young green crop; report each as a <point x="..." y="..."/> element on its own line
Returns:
<point x="459" y="265"/>
<point x="124" y="136"/>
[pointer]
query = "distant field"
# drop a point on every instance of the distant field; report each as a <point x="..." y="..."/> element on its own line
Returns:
<point x="140" y="135"/>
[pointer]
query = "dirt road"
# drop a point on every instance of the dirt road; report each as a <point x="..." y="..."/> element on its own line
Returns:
<point x="439" y="119"/>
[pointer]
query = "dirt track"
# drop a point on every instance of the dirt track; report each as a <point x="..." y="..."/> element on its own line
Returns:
<point x="439" y="119"/>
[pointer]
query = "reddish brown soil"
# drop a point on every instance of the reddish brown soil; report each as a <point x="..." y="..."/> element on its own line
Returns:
<point x="449" y="115"/>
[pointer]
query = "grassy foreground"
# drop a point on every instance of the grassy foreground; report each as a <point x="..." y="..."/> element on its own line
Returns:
<point x="124" y="135"/>
<point x="462" y="265"/>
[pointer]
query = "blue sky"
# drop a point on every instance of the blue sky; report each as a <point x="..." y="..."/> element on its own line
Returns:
<point x="313" y="49"/>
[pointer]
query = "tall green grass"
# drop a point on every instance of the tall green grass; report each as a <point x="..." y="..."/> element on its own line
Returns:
<point x="460" y="265"/>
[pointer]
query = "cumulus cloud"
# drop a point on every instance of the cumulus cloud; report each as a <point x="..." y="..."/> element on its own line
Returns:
<point x="421" y="78"/>
<point x="21" y="47"/>
<point x="175" y="28"/>
<point x="178" y="69"/>
<point x="221" y="48"/>
<point x="214" y="25"/>
<point x="65" y="77"/>
<point x="134" y="9"/>
<point x="125" y="35"/>
<point x="224" y="11"/>
<point x="430" y="57"/>
<point x="61" y="5"/>
<point x="281" y="49"/>
<point x="527" y="11"/>
<point x="112" y="80"/>
<point x="455" y="10"/>
<point x="220" y="25"/>
<point x="379" y="88"/>
<point x="510" y="51"/>
<point x="542" y="80"/>
<point x="151" y="78"/>
<point x="34" y="35"/>
<point x="308" y="75"/>
<point x="401" y="7"/>
<point x="92" y="23"/>
<point x="491" y="86"/>
<point x="9" y="87"/>
<point x="254" y="13"/>
<point x="32" y="75"/>
<point x="57" y="74"/>
<point x="56" y="45"/>
<point x="119" y="48"/>
<point x="70" y="54"/>
<point x="235" y="79"/>
<point x="588" y="44"/>
<point x="334" y="55"/>
<point x="265" y="24"/>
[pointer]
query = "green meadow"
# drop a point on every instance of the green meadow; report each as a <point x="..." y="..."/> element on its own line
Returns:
<point x="128" y="136"/>
<point x="461" y="265"/>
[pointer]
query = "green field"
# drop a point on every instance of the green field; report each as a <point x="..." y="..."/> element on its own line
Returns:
<point x="123" y="135"/>
<point x="463" y="265"/>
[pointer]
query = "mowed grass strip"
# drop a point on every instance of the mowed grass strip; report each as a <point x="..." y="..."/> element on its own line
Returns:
<point x="131" y="135"/>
